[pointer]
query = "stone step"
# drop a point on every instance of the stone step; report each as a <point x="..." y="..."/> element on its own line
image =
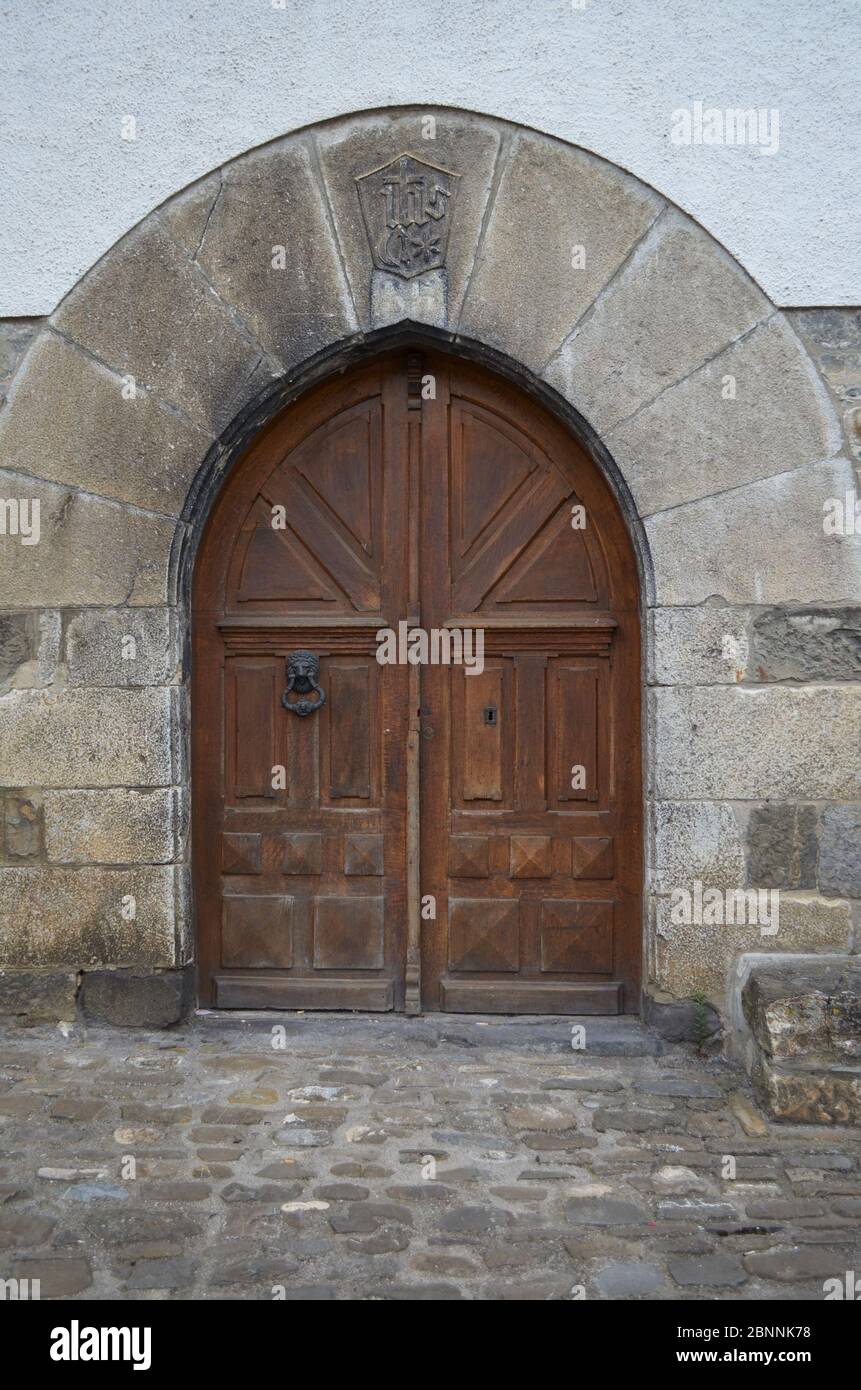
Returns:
<point x="602" y="1037"/>
<point x="804" y="1055"/>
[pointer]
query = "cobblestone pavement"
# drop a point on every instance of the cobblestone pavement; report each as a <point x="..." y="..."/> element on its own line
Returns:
<point x="398" y="1158"/>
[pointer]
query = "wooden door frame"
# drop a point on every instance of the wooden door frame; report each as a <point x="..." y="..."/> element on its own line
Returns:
<point x="326" y="371"/>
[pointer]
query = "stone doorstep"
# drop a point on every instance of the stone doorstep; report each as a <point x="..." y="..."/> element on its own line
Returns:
<point x="622" y="1036"/>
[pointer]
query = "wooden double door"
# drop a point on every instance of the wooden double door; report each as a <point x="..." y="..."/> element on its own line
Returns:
<point x="431" y="833"/>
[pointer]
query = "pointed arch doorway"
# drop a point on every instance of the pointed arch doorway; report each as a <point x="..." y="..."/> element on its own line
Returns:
<point x="442" y="835"/>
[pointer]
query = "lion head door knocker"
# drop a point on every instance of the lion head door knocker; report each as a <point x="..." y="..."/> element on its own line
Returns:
<point x="303" y="672"/>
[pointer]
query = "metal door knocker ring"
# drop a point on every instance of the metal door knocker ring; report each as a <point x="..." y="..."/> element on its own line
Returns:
<point x="303" y="671"/>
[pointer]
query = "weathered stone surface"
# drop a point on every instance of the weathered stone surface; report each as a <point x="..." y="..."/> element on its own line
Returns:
<point x="58" y="1278"/>
<point x="684" y="1020"/>
<point x="34" y="996"/>
<point x="134" y="450"/>
<point x="130" y="999"/>
<point x="833" y="338"/>
<point x="750" y="1120"/>
<point x="803" y="1007"/>
<point x="122" y="646"/>
<point x="696" y="839"/>
<point x="16" y="335"/>
<point x="52" y="916"/>
<point x="694" y="958"/>
<point x="113" y="826"/>
<point x="98" y="738"/>
<point x="840" y="851"/>
<point x="782" y="846"/>
<point x="698" y="646"/>
<point x="692" y="441"/>
<point x="186" y="215"/>
<point x="348" y="150"/>
<point x="620" y="1280"/>
<point x="227" y="1201"/>
<point x="605" y="1211"/>
<point x="788" y="1263"/>
<point x="23" y="827"/>
<point x="677" y="302"/>
<point x="807" y="644"/>
<point x="148" y="311"/>
<point x="715" y="1271"/>
<point x="18" y="643"/>
<point x="740" y="540"/>
<point x="89" y="550"/>
<point x="556" y="198"/>
<point x="161" y="1274"/>
<point x="546" y="1118"/>
<point x="752" y="743"/>
<point x="272" y="198"/>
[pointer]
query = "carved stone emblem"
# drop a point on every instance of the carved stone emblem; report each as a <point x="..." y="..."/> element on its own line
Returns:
<point x="406" y="206"/>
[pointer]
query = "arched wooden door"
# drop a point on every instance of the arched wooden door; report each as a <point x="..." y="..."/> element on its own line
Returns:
<point x="430" y="835"/>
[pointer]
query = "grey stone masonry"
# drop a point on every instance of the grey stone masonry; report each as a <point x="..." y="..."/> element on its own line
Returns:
<point x="728" y="430"/>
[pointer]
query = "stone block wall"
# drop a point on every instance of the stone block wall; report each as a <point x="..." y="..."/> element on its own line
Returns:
<point x="723" y="424"/>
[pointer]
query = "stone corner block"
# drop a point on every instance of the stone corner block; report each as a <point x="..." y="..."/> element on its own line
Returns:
<point x="89" y="550"/>
<point x="145" y="310"/>
<point x="682" y="1020"/>
<point x="725" y="425"/>
<point x="706" y="645"/>
<point x="809" y="1008"/>
<point x="72" y="421"/>
<point x="269" y="252"/>
<point x="581" y="217"/>
<point x="678" y="301"/>
<point x="29" y="996"/>
<point x="73" y="917"/>
<point x="757" y="742"/>
<point x="114" y="825"/>
<point x="99" y="738"/>
<point x="137" y="999"/>
<point x="761" y="543"/>
<point x="122" y="647"/>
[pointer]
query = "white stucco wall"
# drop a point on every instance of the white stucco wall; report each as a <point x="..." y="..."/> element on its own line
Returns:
<point x="207" y="79"/>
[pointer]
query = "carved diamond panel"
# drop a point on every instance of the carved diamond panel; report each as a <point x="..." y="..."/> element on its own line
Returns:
<point x="240" y="854"/>
<point x="484" y="934"/>
<point x="468" y="856"/>
<point x="348" y="933"/>
<point x="576" y="937"/>
<point x="363" y="854"/>
<point x="257" y="932"/>
<point x="303" y="854"/>
<point x="593" y="857"/>
<point x="530" y="856"/>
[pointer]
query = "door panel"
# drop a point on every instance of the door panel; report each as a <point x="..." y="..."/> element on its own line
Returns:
<point x="530" y="805"/>
<point x="506" y="801"/>
<point x="299" y="820"/>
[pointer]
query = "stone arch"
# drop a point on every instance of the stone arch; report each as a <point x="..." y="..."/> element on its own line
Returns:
<point x="621" y="312"/>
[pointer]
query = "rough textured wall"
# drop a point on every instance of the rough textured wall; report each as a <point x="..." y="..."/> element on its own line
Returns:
<point x="208" y="79"/>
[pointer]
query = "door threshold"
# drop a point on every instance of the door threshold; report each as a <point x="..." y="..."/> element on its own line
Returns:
<point x="622" y="1035"/>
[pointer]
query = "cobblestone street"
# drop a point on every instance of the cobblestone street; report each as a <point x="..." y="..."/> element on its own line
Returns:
<point x="394" y="1158"/>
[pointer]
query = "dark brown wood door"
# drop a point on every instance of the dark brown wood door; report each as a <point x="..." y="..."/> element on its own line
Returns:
<point x="431" y="835"/>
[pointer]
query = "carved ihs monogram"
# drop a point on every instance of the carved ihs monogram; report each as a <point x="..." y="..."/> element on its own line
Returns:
<point x="407" y="206"/>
